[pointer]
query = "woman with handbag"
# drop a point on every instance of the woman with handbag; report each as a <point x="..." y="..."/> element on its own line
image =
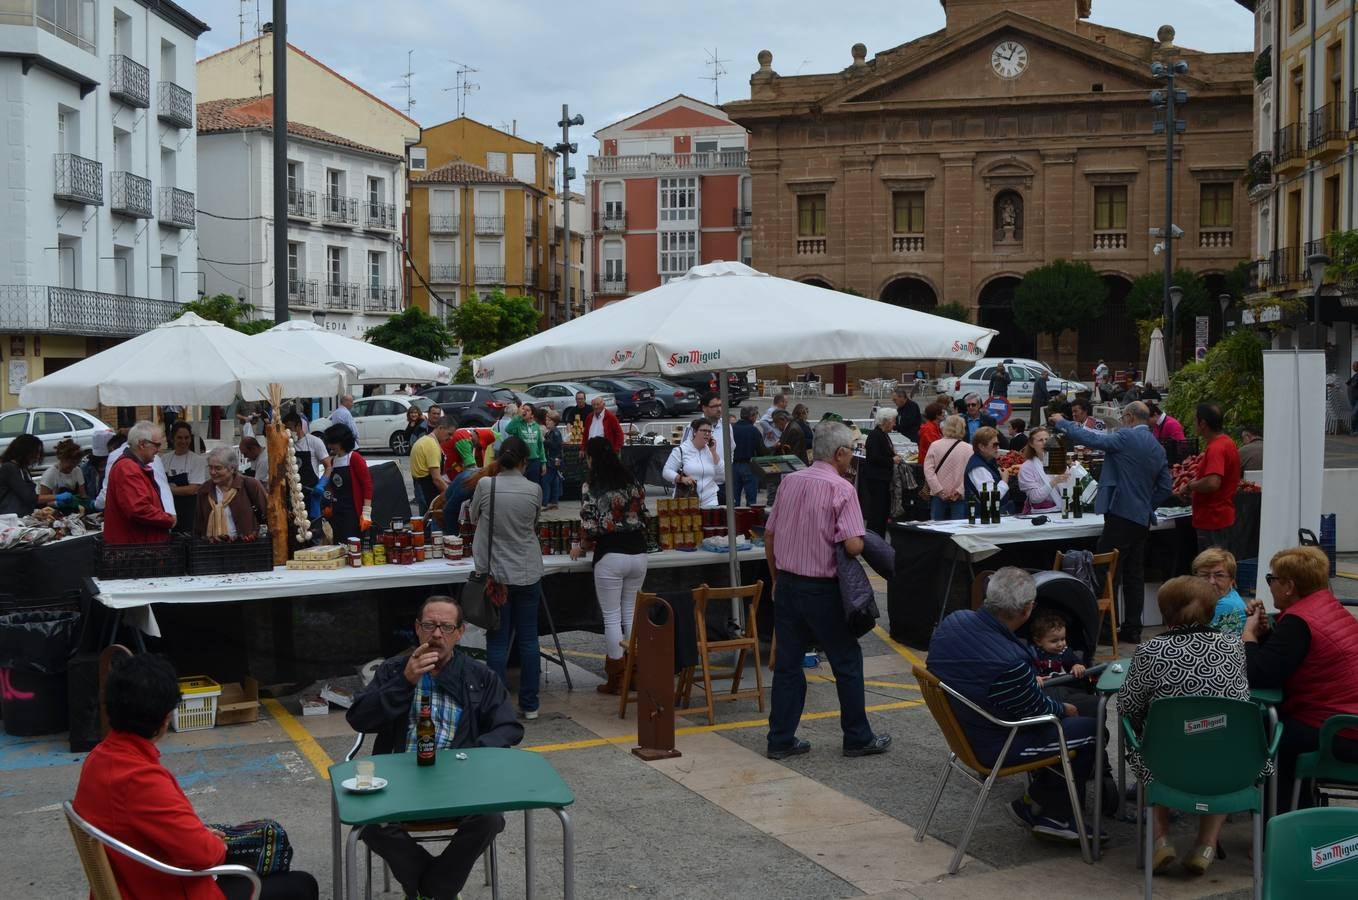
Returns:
<point x="694" y="468"/>
<point x="506" y="551"/>
<point x="945" y="465"/>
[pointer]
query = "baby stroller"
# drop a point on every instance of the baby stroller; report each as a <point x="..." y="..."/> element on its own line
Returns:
<point x="1076" y="603"/>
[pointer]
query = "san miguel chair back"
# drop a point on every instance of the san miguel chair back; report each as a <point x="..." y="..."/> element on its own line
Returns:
<point x="1108" y="602"/>
<point x="963" y="760"/>
<point x="1324" y="769"/>
<point x="745" y="645"/>
<point x="1312" y="853"/>
<point x="92" y="844"/>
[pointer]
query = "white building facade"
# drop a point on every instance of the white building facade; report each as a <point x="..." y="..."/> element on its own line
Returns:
<point x="345" y="205"/>
<point x="98" y="216"/>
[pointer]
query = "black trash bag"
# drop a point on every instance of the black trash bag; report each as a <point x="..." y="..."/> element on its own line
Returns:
<point x="38" y="641"/>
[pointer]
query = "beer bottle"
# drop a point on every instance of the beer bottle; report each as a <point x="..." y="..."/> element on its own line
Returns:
<point x="424" y="734"/>
<point x="1065" y="503"/>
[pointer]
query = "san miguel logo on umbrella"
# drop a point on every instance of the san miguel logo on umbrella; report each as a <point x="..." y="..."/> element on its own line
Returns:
<point x="692" y="358"/>
<point x="966" y="348"/>
<point x="620" y="356"/>
<point x="485" y="372"/>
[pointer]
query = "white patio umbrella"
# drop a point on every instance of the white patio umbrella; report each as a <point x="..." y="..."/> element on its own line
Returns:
<point x="190" y="361"/>
<point x="371" y="363"/>
<point x="1157" y="373"/>
<point x="727" y="316"/>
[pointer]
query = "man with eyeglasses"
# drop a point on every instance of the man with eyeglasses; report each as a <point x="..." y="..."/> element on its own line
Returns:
<point x="138" y="510"/>
<point x="973" y="415"/>
<point x="471" y="708"/>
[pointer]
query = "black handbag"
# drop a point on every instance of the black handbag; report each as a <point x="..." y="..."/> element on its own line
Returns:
<point x="482" y="595"/>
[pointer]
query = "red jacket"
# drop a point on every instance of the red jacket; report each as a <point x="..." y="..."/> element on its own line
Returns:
<point x="133" y="513"/>
<point x="1326" y="683"/>
<point x="612" y="431"/>
<point x="126" y="792"/>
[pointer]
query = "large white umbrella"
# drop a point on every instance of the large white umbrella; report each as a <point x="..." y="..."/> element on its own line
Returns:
<point x="190" y="361"/>
<point x="1157" y="373"/>
<point x="728" y="316"/>
<point x="371" y="363"/>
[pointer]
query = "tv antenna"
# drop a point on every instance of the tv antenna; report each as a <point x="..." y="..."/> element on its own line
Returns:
<point x="406" y="78"/>
<point x="463" y="86"/>
<point x="718" y="70"/>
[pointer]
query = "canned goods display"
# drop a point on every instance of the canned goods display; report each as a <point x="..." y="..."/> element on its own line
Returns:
<point x="419" y="554"/>
<point x="356" y="560"/>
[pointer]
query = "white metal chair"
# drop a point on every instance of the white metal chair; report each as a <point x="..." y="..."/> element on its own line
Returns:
<point x="91" y="844"/>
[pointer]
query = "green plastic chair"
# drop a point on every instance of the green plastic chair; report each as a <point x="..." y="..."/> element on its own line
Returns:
<point x="1313" y="853"/>
<point x="1205" y="754"/>
<point x="1323" y="769"/>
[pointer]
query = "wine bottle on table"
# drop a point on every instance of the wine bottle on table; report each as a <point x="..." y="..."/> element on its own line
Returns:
<point x="1065" y="503"/>
<point x="1077" y="508"/>
<point x="971" y="511"/>
<point x="995" y="515"/>
<point x="984" y="503"/>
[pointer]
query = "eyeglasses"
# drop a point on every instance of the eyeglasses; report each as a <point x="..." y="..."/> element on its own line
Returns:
<point x="443" y="628"/>
<point x="1218" y="575"/>
<point x="1270" y="578"/>
<point x="156" y="444"/>
<point x="704" y="430"/>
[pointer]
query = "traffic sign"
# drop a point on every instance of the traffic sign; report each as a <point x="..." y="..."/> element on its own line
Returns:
<point x="998" y="408"/>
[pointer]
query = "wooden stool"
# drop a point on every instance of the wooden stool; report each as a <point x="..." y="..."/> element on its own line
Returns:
<point x="1108" y="601"/>
<point x="747" y="643"/>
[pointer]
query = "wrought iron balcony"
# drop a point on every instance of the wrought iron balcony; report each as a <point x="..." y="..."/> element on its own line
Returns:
<point x="1259" y="172"/>
<point x="302" y="292"/>
<point x="337" y="210"/>
<point x="1328" y="124"/>
<point x="610" y="284"/>
<point x="444" y="274"/>
<point x="177" y="208"/>
<point x="61" y="310"/>
<point x="490" y="224"/>
<point x="130" y="195"/>
<point x="530" y="276"/>
<point x="342" y="295"/>
<point x="175" y="105"/>
<point x="490" y="274"/>
<point x="79" y="180"/>
<point x="302" y="205"/>
<point x="379" y="216"/>
<point x="379" y="298"/>
<point x="716" y="160"/>
<point x="1257" y="277"/>
<point x="129" y="81"/>
<point x="1283" y="267"/>
<point x="611" y="220"/>
<point x="443" y="224"/>
<point x="742" y="216"/>
<point x="1288" y="146"/>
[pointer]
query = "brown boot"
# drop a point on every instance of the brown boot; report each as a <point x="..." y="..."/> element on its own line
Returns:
<point x="613" y="669"/>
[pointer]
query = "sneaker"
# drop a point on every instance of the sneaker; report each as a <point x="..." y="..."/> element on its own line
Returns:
<point x="1062" y="829"/>
<point x="797" y="749"/>
<point x="1022" y="813"/>
<point x="530" y="715"/>
<point x="877" y="745"/>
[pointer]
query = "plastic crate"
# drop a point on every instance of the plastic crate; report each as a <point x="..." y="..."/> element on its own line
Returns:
<point x="162" y="560"/>
<point x="1246" y="576"/>
<point x="197" y="709"/>
<point x="229" y="557"/>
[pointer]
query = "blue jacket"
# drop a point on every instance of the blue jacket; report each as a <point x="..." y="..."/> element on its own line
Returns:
<point x="977" y="655"/>
<point x="1135" y="477"/>
<point x="748" y="441"/>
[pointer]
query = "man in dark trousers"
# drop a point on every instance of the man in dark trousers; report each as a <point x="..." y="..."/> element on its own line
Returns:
<point x="471" y="708"/>
<point x="1040" y="391"/>
<point x="908" y="415"/>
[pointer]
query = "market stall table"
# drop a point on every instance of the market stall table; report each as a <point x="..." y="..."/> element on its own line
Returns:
<point x="468" y="782"/>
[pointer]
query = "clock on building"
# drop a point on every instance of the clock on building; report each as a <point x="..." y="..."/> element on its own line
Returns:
<point x="1009" y="59"/>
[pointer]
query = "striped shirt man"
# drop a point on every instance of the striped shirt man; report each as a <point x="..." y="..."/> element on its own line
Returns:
<point x="817" y="508"/>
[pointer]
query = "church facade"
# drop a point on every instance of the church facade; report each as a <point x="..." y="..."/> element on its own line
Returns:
<point x="942" y="170"/>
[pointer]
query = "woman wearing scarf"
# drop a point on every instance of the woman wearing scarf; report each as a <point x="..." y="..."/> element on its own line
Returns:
<point x="229" y="504"/>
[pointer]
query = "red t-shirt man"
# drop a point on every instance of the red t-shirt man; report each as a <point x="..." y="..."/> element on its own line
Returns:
<point x="1215" y="510"/>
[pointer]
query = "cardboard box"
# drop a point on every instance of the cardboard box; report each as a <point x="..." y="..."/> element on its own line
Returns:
<point x="239" y="702"/>
<point x="313" y="705"/>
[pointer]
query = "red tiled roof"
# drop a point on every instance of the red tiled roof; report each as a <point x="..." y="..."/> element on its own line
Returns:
<point x="215" y="116"/>
<point x="459" y="171"/>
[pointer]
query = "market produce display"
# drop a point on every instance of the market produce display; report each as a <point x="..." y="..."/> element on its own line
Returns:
<point x="1184" y="472"/>
<point x="1010" y="459"/>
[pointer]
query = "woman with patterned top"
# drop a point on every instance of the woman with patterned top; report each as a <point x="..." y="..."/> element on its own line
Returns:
<point x="613" y="524"/>
<point x="1190" y="659"/>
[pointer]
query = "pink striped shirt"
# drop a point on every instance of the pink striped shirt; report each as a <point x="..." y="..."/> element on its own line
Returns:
<point x="816" y="508"/>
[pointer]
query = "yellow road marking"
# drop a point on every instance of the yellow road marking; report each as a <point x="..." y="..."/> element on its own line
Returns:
<point x="899" y="648"/>
<point x="314" y="752"/>
<point x="1352" y="575"/>
<point x="828" y="679"/>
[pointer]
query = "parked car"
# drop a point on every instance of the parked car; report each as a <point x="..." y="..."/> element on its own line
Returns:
<point x="51" y="424"/>
<point x="381" y="421"/>
<point x="472" y="405"/>
<point x="1021" y="372"/>
<point x="560" y="395"/>
<point x="674" y="399"/>
<point x="633" y="402"/>
<point x="703" y="382"/>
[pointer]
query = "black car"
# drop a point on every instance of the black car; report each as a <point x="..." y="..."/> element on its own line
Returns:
<point x="675" y="399"/>
<point x="634" y="401"/>
<point x="703" y="382"/>
<point x="472" y="405"/>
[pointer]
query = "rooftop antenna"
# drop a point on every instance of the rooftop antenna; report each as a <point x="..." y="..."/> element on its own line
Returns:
<point x="406" y="79"/>
<point x="463" y="86"/>
<point x="718" y="70"/>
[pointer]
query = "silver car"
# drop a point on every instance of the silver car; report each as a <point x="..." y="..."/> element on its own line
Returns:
<point x="51" y="424"/>
<point x="560" y="395"/>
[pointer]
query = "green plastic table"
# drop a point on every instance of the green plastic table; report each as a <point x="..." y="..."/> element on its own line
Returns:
<point x="489" y="780"/>
<point x="1110" y="682"/>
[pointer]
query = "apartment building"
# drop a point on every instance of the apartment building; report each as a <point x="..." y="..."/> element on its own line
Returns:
<point x="344" y="245"/>
<point x="669" y="189"/>
<point x="98" y="215"/>
<point x="578" y="297"/>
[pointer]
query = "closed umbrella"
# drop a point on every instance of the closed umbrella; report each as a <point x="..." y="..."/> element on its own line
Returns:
<point x="1157" y="373"/>
<point x="190" y="361"/>
<point x="371" y="363"/>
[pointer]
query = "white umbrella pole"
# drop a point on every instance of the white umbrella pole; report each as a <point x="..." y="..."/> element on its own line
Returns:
<point x="733" y="558"/>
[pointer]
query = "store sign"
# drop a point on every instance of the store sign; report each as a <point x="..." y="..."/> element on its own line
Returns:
<point x="1200" y="339"/>
<point x="1271" y="314"/>
<point x="355" y="326"/>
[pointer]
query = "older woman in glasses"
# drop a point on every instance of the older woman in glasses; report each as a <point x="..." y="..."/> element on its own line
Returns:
<point x="695" y="466"/>
<point x="229" y="504"/>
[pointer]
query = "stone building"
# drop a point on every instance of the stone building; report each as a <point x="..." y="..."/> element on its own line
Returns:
<point x="941" y="170"/>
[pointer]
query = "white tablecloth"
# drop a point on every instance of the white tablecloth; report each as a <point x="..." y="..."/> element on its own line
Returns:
<point x="981" y="541"/>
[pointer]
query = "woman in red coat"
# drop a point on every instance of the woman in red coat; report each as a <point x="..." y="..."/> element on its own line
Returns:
<point x="350" y="487"/>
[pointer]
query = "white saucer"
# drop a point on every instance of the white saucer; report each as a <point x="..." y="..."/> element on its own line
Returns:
<point x="351" y="785"/>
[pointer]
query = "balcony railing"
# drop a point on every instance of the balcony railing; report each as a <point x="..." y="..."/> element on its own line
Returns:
<point x="302" y="205"/>
<point x="611" y="220"/>
<point x="1215" y="238"/>
<point x="490" y="224"/>
<point x="810" y="246"/>
<point x="490" y="274"/>
<point x="177" y="208"/>
<point x="302" y="292"/>
<point x="337" y="210"/>
<point x="668" y="162"/>
<point x="129" y="81"/>
<point x="41" y="308"/>
<point x="1353" y="110"/>
<point x="611" y="284"/>
<point x="341" y="295"/>
<point x="1282" y="267"/>
<point x="130" y="195"/>
<point x="1260" y="170"/>
<point x="742" y="217"/>
<point x="380" y="216"/>
<point x="175" y="105"/>
<point x="1257" y="276"/>
<point x="445" y="274"/>
<point x="530" y="276"/>
<point x="1328" y="124"/>
<point x="73" y="22"/>
<point x="380" y="298"/>
<point x="530" y="228"/>
<point x="1288" y="144"/>
<point x="78" y="179"/>
<point x="907" y="243"/>
<point x="444" y="225"/>
<point x="1110" y="239"/>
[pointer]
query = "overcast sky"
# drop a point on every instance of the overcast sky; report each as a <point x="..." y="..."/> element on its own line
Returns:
<point x="609" y="59"/>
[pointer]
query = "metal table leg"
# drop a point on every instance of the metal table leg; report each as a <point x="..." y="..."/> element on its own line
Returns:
<point x="567" y="853"/>
<point x="1272" y="807"/>
<point x="560" y="658"/>
<point x="351" y="864"/>
<point x="336" y="859"/>
<point x="528" y="854"/>
<point x="1097" y="814"/>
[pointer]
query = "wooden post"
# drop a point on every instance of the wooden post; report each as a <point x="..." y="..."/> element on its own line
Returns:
<point x="654" y="658"/>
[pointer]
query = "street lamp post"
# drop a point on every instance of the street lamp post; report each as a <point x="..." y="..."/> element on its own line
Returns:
<point x="1225" y="300"/>
<point x="1176" y="296"/>
<point x="566" y="148"/>
<point x="1169" y="126"/>
<point x="1317" y="263"/>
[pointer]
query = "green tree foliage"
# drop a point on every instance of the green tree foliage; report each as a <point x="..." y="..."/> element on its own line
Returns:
<point x="230" y="311"/>
<point x="956" y="311"/>
<point x="1232" y="376"/>
<point x="1146" y="298"/>
<point x="1058" y="296"/>
<point x="484" y="326"/>
<point x="415" y="333"/>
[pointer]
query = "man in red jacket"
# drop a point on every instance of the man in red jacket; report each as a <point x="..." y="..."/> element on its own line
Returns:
<point x="133" y="513"/>
<point x="601" y="423"/>
<point x="126" y="792"/>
